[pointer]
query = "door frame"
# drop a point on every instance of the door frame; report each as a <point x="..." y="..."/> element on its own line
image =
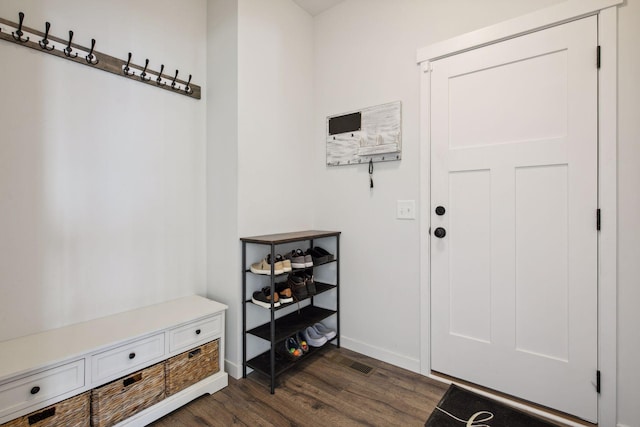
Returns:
<point x="607" y="174"/>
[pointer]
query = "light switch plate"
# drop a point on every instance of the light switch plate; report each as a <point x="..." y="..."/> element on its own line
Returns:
<point x="406" y="209"/>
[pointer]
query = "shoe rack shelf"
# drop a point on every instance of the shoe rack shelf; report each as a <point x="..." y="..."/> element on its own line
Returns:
<point x="293" y="322"/>
<point x="261" y="363"/>
<point x="320" y="288"/>
<point x="278" y="327"/>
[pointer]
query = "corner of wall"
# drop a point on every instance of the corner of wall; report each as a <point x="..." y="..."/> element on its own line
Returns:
<point x="222" y="165"/>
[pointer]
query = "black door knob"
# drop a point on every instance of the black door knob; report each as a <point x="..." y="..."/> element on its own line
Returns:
<point x="132" y="355"/>
<point x="440" y="210"/>
<point x="35" y="390"/>
<point x="440" y="232"/>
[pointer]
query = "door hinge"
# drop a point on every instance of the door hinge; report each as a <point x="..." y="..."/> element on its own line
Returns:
<point x="598" y="381"/>
<point x="598" y="57"/>
<point x="598" y="219"/>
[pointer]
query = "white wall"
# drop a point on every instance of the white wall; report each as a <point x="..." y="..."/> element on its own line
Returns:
<point x="275" y="101"/>
<point x="102" y="201"/>
<point x="223" y="268"/>
<point x="259" y="125"/>
<point x="365" y="55"/>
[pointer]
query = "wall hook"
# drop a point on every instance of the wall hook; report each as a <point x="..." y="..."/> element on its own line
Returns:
<point x="143" y="76"/>
<point x="44" y="43"/>
<point x="67" y="50"/>
<point x="173" y="82"/>
<point x="18" y="34"/>
<point x="187" y="88"/>
<point x="90" y="57"/>
<point x="126" y="68"/>
<point x="159" y="81"/>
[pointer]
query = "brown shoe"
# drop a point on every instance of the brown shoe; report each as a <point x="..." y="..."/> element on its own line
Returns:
<point x="298" y="286"/>
<point x="309" y="282"/>
<point x="263" y="298"/>
<point x="285" y="292"/>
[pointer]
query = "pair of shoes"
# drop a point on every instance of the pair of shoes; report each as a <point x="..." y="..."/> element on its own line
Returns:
<point x="264" y="267"/>
<point x="319" y="255"/>
<point x="302" y="284"/>
<point x="311" y="284"/>
<point x="292" y="348"/>
<point x="286" y="263"/>
<point x="317" y="335"/>
<point x="298" y="285"/>
<point x="280" y="266"/>
<point x="296" y="346"/>
<point x="313" y="337"/>
<point x="299" y="259"/>
<point x="328" y="333"/>
<point x="263" y="298"/>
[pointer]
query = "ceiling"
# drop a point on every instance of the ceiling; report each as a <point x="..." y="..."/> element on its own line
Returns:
<point x="315" y="7"/>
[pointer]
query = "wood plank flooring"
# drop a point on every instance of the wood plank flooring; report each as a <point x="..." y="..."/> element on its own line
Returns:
<point x="324" y="391"/>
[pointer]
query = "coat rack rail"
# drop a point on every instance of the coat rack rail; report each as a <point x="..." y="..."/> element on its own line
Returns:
<point x="66" y="49"/>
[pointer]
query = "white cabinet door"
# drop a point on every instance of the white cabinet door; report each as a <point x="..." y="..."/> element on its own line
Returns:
<point x="514" y="164"/>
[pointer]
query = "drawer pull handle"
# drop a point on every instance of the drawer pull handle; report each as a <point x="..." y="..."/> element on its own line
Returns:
<point x="131" y="380"/>
<point x="35" y="390"/>
<point x="194" y="353"/>
<point x="132" y="355"/>
<point x="47" y="413"/>
<point x="198" y="331"/>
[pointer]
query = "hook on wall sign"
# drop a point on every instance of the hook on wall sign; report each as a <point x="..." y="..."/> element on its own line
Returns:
<point x="101" y="61"/>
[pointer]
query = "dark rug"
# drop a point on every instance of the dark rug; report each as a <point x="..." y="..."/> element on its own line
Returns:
<point x="481" y="411"/>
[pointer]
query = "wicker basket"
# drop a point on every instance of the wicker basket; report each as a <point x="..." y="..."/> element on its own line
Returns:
<point x="191" y="366"/>
<point x="72" y="412"/>
<point x="127" y="396"/>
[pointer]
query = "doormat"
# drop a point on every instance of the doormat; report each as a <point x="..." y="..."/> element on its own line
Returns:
<point x="462" y="408"/>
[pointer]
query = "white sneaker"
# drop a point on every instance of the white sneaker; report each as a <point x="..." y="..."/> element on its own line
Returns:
<point x="328" y="333"/>
<point x="313" y="338"/>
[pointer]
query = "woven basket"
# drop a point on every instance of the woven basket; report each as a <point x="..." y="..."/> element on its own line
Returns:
<point x="191" y="366"/>
<point x="72" y="412"/>
<point x="127" y="396"/>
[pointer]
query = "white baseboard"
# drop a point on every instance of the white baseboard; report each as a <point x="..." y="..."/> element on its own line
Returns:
<point x="382" y="354"/>
<point x="233" y="369"/>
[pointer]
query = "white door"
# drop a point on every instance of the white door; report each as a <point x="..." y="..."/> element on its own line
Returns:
<point x="514" y="165"/>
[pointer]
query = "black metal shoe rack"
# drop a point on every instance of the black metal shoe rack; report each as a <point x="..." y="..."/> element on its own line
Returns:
<point x="302" y="315"/>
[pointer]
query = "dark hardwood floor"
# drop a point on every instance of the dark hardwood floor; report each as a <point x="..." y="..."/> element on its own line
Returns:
<point x="327" y="390"/>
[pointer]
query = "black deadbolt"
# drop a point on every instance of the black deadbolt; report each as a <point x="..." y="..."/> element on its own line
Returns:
<point x="35" y="390"/>
<point x="440" y="232"/>
<point x="440" y="210"/>
<point x="132" y="355"/>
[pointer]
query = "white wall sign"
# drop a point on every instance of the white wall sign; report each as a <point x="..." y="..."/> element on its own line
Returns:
<point x="373" y="133"/>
